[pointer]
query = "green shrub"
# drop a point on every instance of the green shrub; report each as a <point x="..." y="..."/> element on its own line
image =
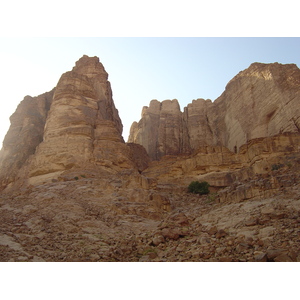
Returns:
<point x="197" y="187"/>
<point x="76" y="178"/>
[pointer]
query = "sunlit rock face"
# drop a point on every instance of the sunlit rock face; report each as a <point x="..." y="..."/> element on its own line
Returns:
<point x="260" y="101"/>
<point x="83" y="126"/>
<point x="74" y="126"/>
<point x="161" y="129"/>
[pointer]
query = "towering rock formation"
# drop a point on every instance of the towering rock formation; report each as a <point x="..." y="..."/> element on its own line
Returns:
<point x="24" y="135"/>
<point x="161" y="129"/>
<point x="74" y="126"/>
<point x="198" y="127"/>
<point x="83" y="127"/>
<point x="260" y="101"/>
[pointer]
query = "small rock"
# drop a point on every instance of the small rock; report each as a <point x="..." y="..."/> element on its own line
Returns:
<point x="158" y="239"/>
<point x="259" y="242"/>
<point x="212" y="230"/>
<point x="145" y="258"/>
<point x="152" y="255"/>
<point x="273" y="253"/>
<point x="180" y="218"/>
<point x="204" y="240"/>
<point x="22" y="258"/>
<point x="225" y="259"/>
<point x="261" y="257"/>
<point x="180" y="248"/>
<point x="94" y="257"/>
<point x="170" y="233"/>
<point x="267" y="211"/>
<point x="37" y="259"/>
<point x="242" y="247"/>
<point x="251" y="222"/>
<point x="263" y="220"/>
<point x="293" y="255"/>
<point x="249" y="240"/>
<point x="283" y="258"/>
<point x="278" y="215"/>
<point x="230" y="242"/>
<point x="220" y="233"/>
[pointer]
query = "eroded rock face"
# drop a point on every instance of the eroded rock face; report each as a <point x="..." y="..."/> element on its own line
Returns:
<point x="83" y="127"/>
<point x="259" y="170"/>
<point x="161" y="129"/>
<point x="260" y="101"/>
<point x="24" y="135"/>
<point x="74" y="126"/>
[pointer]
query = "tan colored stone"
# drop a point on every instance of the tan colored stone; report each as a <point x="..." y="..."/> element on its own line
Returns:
<point x="158" y="239"/>
<point x="260" y="257"/>
<point x="170" y="233"/>
<point x="259" y="92"/>
<point x="75" y="126"/>
<point x="274" y="253"/>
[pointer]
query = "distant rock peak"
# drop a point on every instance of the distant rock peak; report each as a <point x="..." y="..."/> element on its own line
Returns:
<point x="250" y="107"/>
<point x="90" y="66"/>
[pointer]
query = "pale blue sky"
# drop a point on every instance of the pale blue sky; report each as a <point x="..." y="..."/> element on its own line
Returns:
<point x="140" y="69"/>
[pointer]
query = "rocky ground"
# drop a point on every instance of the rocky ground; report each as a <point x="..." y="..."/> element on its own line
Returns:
<point x="77" y="220"/>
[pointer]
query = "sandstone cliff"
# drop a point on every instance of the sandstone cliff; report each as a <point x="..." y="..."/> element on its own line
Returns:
<point x="24" y="135"/>
<point x="74" y="126"/>
<point x="260" y="101"/>
<point x="161" y="129"/>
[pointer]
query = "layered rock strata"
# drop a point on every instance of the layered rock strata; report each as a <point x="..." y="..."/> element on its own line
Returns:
<point x="24" y="135"/>
<point x="74" y="126"/>
<point x="233" y="176"/>
<point x="161" y="129"/>
<point x="260" y="101"/>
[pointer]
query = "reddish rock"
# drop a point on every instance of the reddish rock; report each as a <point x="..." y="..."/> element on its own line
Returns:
<point x="283" y="258"/>
<point x="274" y="253"/>
<point x="261" y="257"/>
<point x="221" y="233"/>
<point x="212" y="230"/>
<point x="158" y="239"/>
<point x="251" y="222"/>
<point x="169" y="233"/>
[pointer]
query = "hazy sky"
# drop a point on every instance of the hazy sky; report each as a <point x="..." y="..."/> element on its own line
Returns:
<point x="140" y="69"/>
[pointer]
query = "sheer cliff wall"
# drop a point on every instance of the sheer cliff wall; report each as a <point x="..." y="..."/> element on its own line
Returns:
<point x="260" y="101"/>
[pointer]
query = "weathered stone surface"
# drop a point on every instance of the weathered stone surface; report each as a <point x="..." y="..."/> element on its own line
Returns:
<point x="198" y="128"/>
<point x="260" y="257"/>
<point x="250" y="107"/>
<point x="259" y="93"/>
<point x="139" y="156"/>
<point x="24" y="135"/>
<point x="76" y="126"/>
<point x="83" y="127"/>
<point x="236" y="177"/>
<point x="160" y="130"/>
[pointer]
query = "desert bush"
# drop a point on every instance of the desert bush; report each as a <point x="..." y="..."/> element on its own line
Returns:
<point x="197" y="187"/>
